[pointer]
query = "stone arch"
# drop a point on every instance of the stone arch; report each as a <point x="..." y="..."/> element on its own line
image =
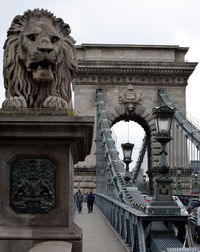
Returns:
<point x="146" y="121"/>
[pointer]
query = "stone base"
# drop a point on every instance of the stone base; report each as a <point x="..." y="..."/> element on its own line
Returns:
<point x="22" y="239"/>
<point x="38" y="151"/>
<point x="52" y="246"/>
<point x="163" y="208"/>
<point x="163" y="203"/>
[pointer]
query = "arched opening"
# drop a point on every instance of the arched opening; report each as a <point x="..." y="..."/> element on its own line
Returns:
<point x="131" y="132"/>
<point x="133" y="129"/>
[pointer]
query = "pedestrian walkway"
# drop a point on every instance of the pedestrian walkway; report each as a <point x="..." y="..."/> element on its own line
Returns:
<point x="98" y="235"/>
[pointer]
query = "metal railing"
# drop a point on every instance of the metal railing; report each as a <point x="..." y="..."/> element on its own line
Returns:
<point x="124" y="220"/>
<point x="141" y="232"/>
<point x="114" y="176"/>
<point x="122" y="204"/>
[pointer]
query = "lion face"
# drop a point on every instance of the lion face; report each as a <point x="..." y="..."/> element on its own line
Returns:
<point x="41" y="47"/>
<point x="39" y="61"/>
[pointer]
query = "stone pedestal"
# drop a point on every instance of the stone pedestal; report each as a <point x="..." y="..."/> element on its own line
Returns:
<point x="52" y="246"/>
<point x="38" y="150"/>
<point x="163" y="203"/>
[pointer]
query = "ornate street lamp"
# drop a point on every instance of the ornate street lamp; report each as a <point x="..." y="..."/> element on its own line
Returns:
<point x="163" y="203"/>
<point x="163" y="119"/>
<point x="127" y="152"/>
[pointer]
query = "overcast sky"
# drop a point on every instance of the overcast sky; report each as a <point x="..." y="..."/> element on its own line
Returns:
<point x="154" y="22"/>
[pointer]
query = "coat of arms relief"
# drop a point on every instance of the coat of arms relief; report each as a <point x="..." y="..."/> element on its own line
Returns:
<point x="132" y="100"/>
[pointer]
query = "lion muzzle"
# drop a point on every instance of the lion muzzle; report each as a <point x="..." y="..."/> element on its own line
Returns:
<point x="43" y="74"/>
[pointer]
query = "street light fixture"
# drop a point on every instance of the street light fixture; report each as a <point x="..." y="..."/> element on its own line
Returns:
<point x="127" y="152"/>
<point x="163" y="119"/>
<point x="163" y="203"/>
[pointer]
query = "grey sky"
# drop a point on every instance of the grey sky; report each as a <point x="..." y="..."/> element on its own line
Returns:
<point x="161" y="22"/>
<point x="128" y="132"/>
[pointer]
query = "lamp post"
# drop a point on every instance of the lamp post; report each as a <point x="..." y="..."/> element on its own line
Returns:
<point x="163" y="203"/>
<point x="163" y="119"/>
<point x="144" y="187"/>
<point x="178" y="183"/>
<point x="144" y="179"/>
<point x="127" y="152"/>
<point x="196" y="182"/>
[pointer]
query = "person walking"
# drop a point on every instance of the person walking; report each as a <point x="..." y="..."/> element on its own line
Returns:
<point x="90" y="202"/>
<point x="79" y="200"/>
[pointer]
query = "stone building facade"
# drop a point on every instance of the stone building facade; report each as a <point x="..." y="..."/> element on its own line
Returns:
<point x="130" y="76"/>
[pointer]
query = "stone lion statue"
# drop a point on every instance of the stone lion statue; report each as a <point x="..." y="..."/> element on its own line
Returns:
<point x="39" y="62"/>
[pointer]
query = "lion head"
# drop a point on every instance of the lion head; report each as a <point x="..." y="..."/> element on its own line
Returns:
<point x="39" y="61"/>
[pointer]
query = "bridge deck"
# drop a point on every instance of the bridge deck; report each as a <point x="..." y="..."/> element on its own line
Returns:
<point x="98" y="236"/>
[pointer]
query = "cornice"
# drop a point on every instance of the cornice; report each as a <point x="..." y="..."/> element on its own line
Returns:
<point x="135" y="63"/>
<point x="135" y="79"/>
<point x="137" y="73"/>
<point x="82" y="70"/>
<point x="122" y="67"/>
<point x="97" y="45"/>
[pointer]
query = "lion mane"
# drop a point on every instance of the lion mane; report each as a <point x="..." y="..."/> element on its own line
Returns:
<point x="38" y="76"/>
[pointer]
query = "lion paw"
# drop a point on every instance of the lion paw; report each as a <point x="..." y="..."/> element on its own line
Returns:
<point x="14" y="102"/>
<point x="55" y="102"/>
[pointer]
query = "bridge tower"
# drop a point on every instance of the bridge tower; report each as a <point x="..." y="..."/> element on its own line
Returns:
<point x="131" y="76"/>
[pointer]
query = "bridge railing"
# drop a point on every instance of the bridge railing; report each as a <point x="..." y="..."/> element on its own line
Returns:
<point x="122" y="204"/>
<point x="124" y="220"/>
<point x="141" y="232"/>
<point x="114" y="171"/>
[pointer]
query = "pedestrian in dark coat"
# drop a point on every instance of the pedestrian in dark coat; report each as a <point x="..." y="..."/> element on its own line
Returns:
<point x="79" y="200"/>
<point x="90" y="202"/>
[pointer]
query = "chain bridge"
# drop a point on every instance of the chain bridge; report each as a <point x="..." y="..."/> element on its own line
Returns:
<point x="125" y="82"/>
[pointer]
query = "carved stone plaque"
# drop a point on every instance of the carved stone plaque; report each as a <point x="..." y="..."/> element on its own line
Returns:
<point x="32" y="185"/>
